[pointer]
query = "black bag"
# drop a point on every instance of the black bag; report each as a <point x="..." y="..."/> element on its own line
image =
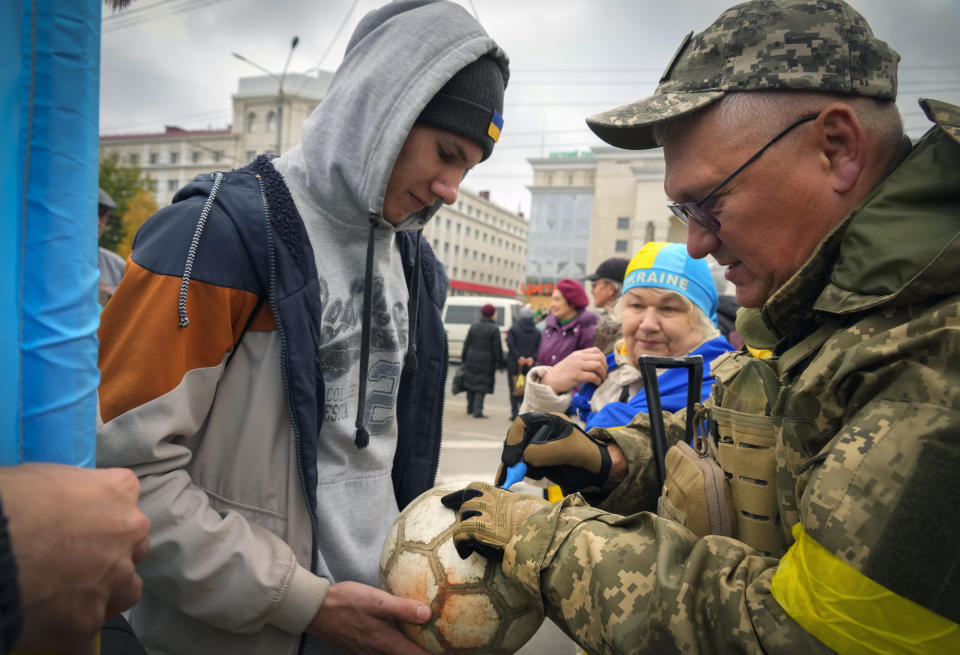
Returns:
<point x="457" y="384"/>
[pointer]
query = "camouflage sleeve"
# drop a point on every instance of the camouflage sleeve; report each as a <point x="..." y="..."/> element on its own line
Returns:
<point x="638" y="490"/>
<point x="642" y="584"/>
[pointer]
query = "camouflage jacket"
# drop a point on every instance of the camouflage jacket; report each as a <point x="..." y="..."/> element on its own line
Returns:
<point x="866" y="433"/>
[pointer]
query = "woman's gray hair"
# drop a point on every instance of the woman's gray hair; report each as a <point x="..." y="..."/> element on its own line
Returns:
<point x="698" y="320"/>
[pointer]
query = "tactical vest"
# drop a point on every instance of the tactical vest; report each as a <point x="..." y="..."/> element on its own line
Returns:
<point x="738" y="433"/>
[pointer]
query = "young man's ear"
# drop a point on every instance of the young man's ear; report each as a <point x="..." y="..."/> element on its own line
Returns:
<point x="844" y="145"/>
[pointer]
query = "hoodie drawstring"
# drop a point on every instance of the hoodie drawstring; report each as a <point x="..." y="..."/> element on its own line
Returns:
<point x="192" y="252"/>
<point x="362" y="437"/>
<point x="413" y="302"/>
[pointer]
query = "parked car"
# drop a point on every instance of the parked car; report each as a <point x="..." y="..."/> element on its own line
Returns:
<point x="461" y="312"/>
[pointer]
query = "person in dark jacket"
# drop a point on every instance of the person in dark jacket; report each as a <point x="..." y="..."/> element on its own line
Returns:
<point x="523" y="342"/>
<point x="482" y="356"/>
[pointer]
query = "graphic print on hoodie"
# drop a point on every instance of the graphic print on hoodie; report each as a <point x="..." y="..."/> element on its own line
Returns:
<point x="340" y="352"/>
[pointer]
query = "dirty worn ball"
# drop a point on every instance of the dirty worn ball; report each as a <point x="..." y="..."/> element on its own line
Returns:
<point x="475" y="609"/>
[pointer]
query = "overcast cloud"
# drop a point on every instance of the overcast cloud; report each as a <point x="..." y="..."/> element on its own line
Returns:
<point x="167" y="62"/>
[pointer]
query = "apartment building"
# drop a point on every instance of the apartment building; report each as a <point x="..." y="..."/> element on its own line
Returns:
<point x="482" y="245"/>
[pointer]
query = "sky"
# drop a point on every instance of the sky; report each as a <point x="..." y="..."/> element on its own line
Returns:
<point x="168" y="62"/>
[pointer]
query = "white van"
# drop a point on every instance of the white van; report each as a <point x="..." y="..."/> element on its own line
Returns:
<point x="461" y="312"/>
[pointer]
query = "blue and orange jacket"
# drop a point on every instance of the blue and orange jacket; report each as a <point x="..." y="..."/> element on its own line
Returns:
<point x="212" y="436"/>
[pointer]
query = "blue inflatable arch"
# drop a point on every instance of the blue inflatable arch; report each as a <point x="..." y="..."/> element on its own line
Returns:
<point x="48" y="240"/>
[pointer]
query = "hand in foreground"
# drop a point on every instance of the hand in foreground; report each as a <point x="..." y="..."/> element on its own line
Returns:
<point x="555" y="448"/>
<point x="360" y="619"/>
<point x="488" y="517"/>
<point x="588" y="365"/>
<point x="76" y="534"/>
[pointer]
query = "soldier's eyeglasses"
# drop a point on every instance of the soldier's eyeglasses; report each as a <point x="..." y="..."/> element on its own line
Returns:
<point x="698" y="211"/>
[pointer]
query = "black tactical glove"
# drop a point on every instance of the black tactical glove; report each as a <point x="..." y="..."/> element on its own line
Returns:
<point x="489" y="517"/>
<point x="555" y="448"/>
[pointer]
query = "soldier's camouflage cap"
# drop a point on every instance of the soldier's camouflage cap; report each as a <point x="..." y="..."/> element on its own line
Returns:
<point x="807" y="45"/>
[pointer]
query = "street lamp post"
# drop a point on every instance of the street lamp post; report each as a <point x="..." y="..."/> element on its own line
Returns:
<point x="279" y="79"/>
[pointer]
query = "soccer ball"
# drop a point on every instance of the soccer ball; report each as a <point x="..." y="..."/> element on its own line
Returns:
<point x="475" y="608"/>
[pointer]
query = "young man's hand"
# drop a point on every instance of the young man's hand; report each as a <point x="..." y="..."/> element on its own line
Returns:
<point x="76" y="535"/>
<point x="489" y="517"/>
<point x="361" y="620"/>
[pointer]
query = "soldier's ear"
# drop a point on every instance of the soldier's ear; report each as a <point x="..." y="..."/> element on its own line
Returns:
<point x="843" y="144"/>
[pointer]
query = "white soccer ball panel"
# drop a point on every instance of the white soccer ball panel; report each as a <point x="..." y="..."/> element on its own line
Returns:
<point x="468" y="621"/>
<point x="412" y="577"/>
<point x="460" y="571"/>
<point x="427" y="519"/>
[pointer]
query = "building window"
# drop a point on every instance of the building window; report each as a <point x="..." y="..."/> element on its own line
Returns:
<point x="454" y="272"/>
<point x="154" y="157"/>
<point x="458" y="228"/>
<point x="483" y="258"/>
<point x="456" y="250"/>
<point x="134" y="158"/>
<point x="217" y="156"/>
<point x="466" y="232"/>
<point x="152" y="185"/>
<point x="174" y="157"/>
<point x="446" y="248"/>
<point x="252" y="122"/>
<point x="271" y="122"/>
<point x="569" y="179"/>
<point x="436" y="244"/>
<point x="648" y="235"/>
<point x="251" y="154"/>
<point x="172" y="185"/>
<point x="623" y="223"/>
<point x="466" y="252"/>
<point x="195" y="156"/>
<point x="621" y="245"/>
<point x="448" y="223"/>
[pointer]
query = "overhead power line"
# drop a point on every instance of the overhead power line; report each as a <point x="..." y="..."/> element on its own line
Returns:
<point x="336" y="36"/>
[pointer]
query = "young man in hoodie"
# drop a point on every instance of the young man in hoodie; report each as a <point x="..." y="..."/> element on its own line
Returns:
<point x="274" y="361"/>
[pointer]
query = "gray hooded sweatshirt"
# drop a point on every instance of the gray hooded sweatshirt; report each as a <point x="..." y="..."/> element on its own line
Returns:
<point x="396" y="61"/>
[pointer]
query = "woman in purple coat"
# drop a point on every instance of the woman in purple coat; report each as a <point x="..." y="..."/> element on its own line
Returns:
<point x="569" y="326"/>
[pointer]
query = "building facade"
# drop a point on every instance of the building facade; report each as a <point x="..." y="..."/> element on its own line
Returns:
<point x="587" y="206"/>
<point x="482" y="245"/>
<point x="262" y="120"/>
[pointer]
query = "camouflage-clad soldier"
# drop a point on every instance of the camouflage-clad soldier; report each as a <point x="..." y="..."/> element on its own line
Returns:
<point x="786" y="154"/>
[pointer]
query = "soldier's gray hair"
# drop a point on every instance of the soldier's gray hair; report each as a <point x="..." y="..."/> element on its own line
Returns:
<point x="759" y="115"/>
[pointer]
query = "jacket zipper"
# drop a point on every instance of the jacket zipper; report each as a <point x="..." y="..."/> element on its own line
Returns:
<point x="443" y="412"/>
<point x="291" y="415"/>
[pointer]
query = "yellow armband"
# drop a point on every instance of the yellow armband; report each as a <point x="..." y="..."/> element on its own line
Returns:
<point x="851" y="613"/>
